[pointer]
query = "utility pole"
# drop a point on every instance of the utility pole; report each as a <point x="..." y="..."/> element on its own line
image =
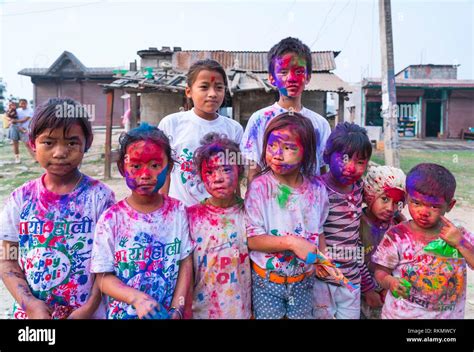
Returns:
<point x="389" y="96"/>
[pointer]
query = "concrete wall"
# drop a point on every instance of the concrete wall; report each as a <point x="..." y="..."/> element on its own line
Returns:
<point x="155" y="106"/>
<point x="315" y="101"/>
<point x="431" y="72"/>
<point x="355" y="102"/>
<point x="460" y="111"/>
<point x="244" y="104"/>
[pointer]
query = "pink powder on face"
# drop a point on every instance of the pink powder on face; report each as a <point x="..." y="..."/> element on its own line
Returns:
<point x="290" y="74"/>
<point x="220" y="180"/>
<point x="284" y="150"/>
<point x="140" y="163"/>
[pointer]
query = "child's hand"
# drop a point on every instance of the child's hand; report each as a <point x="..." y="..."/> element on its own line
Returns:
<point x="396" y="286"/>
<point x="38" y="309"/>
<point x="81" y="313"/>
<point x="373" y="299"/>
<point x="320" y="271"/>
<point x="450" y="233"/>
<point x="146" y="306"/>
<point x="301" y="247"/>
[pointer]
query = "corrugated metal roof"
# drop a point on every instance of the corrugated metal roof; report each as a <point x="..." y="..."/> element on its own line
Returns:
<point x="141" y="81"/>
<point x="69" y="65"/>
<point x="328" y="82"/>
<point x="255" y="61"/>
<point x="239" y="80"/>
<point x="422" y="83"/>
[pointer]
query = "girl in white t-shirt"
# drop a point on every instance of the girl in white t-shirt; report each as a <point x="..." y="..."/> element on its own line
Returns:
<point x="217" y="226"/>
<point x="141" y="250"/>
<point x="286" y="208"/>
<point x="206" y="86"/>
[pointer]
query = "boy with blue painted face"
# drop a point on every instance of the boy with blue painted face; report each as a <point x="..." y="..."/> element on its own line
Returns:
<point x="141" y="251"/>
<point x="289" y="70"/>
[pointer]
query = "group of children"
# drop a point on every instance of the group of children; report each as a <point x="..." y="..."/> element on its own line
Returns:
<point x="185" y="244"/>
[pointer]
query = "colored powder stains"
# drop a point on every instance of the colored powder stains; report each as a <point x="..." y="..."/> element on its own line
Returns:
<point x="259" y="126"/>
<point x="283" y="196"/>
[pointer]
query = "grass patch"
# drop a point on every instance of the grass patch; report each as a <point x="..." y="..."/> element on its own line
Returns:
<point x="459" y="162"/>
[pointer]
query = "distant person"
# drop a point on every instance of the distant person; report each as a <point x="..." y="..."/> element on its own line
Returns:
<point x="19" y="129"/>
<point x="289" y="69"/>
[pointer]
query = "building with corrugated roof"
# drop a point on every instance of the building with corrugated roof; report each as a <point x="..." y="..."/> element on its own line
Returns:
<point x="431" y="101"/>
<point x="161" y="81"/>
<point x="69" y="77"/>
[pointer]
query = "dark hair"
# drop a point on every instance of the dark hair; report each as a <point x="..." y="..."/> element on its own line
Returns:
<point x="214" y="143"/>
<point x="144" y="132"/>
<point x="290" y="45"/>
<point x="348" y="138"/>
<point x="301" y="126"/>
<point x="23" y="99"/>
<point x="61" y="113"/>
<point x="431" y="180"/>
<point x="201" y="65"/>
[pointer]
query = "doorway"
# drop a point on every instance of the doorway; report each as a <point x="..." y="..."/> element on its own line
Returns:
<point x="433" y="119"/>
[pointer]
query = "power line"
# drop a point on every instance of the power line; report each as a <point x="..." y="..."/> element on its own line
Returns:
<point x="372" y="40"/>
<point x="320" y="31"/>
<point x="279" y="19"/>
<point x="352" y="26"/>
<point x="49" y="10"/>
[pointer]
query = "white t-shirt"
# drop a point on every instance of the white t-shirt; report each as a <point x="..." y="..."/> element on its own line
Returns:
<point x="252" y="140"/>
<point x="143" y="250"/>
<point x="438" y="284"/>
<point x="24" y="113"/>
<point x="55" y="234"/>
<point x="185" y="130"/>
<point x="279" y="210"/>
<point x="222" y="287"/>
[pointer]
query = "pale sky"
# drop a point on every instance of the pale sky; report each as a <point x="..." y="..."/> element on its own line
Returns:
<point x="109" y="33"/>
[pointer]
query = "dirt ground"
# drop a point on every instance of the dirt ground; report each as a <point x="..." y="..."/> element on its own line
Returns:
<point x="461" y="215"/>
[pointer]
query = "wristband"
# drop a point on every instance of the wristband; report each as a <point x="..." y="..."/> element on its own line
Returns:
<point x="173" y="309"/>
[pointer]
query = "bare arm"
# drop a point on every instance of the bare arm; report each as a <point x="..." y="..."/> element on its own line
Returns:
<point x="455" y="237"/>
<point x="385" y="279"/>
<point x="270" y="244"/>
<point x="23" y="119"/>
<point x="15" y="282"/>
<point x="467" y="251"/>
<point x="111" y="285"/>
<point x="88" y="309"/>
<point x="183" y="286"/>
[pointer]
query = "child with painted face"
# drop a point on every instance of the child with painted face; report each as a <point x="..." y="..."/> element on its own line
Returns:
<point x="206" y="88"/>
<point x="48" y="223"/>
<point x="289" y="70"/>
<point x="217" y="226"/>
<point x="428" y="285"/>
<point x="286" y="207"/>
<point x="384" y="195"/>
<point x="141" y="251"/>
<point x="348" y="151"/>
